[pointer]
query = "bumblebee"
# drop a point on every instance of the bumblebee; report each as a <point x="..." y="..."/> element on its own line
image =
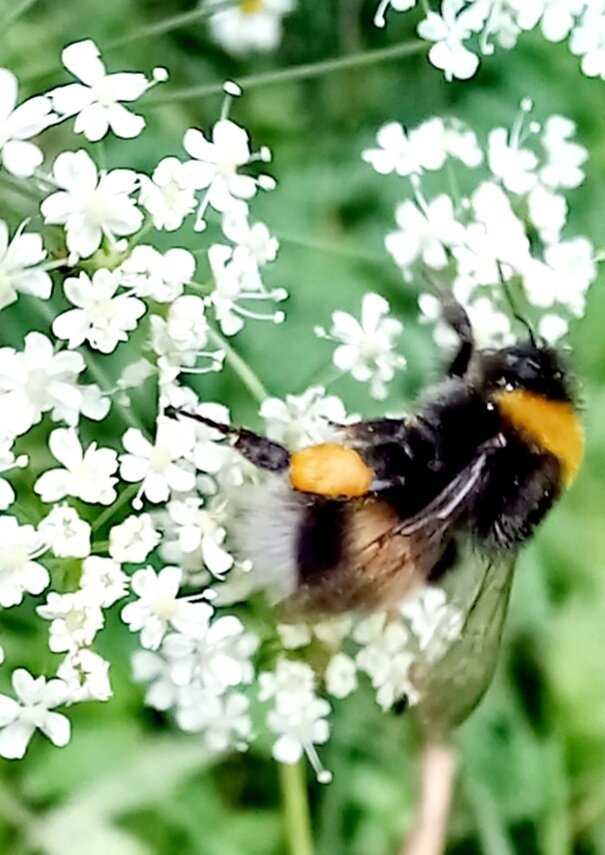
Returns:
<point x="362" y="522"/>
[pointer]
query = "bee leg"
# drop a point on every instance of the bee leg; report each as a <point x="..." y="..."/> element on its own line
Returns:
<point x="456" y="317"/>
<point x="259" y="450"/>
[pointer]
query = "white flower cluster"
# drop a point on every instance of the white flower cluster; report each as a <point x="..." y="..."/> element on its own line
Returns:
<point x="505" y="240"/>
<point x="382" y="647"/>
<point x="139" y="522"/>
<point x="365" y="348"/>
<point x="464" y="30"/>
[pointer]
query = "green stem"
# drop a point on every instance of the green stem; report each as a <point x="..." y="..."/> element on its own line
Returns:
<point x="299" y="72"/>
<point x="241" y="368"/>
<point x="297" y="818"/>
<point x="17" y="10"/>
<point x="168" y="24"/>
<point x="334" y="249"/>
<point x="124" y="497"/>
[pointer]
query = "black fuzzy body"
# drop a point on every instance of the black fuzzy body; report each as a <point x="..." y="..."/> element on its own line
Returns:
<point x="421" y="456"/>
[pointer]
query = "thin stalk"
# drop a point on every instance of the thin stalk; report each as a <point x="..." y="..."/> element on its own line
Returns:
<point x="298" y="72"/>
<point x="241" y="368"/>
<point x="124" y="497"/>
<point x="16" y="12"/>
<point x="493" y="837"/>
<point x="333" y="248"/>
<point x="297" y="818"/>
<point x="438" y="775"/>
<point x="168" y="24"/>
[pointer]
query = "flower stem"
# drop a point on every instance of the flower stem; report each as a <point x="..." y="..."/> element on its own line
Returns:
<point x="17" y="11"/>
<point x="124" y="497"/>
<point x="299" y="72"/>
<point x="241" y="368"/>
<point x="438" y="773"/>
<point x="174" y="22"/>
<point x="297" y="818"/>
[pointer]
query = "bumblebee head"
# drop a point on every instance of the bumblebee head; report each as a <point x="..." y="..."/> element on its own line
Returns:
<point x="529" y="366"/>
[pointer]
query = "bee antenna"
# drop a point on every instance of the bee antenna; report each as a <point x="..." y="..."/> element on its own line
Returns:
<point x="514" y="309"/>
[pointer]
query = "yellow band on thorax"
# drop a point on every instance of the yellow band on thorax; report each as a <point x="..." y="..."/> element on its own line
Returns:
<point x="553" y="425"/>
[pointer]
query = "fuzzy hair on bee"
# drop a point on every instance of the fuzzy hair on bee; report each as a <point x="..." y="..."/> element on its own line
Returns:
<point x="361" y="522"/>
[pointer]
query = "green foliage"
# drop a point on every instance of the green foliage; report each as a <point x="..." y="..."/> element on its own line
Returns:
<point x="533" y="754"/>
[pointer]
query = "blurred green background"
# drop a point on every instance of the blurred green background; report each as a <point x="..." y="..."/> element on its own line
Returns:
<point x="532" y="778"/>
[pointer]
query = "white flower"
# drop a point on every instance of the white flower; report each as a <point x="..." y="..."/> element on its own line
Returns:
<point x="155" y="465"/>
<point x="386" y="659"/>
<point x="19" y="719"/>
<point x="424" y="233"/>
<point x="17" y="265"/>
<point x="65" y="533"/>
<point x="515" y="166"/>
<point x="198" y="529"/>
<point x="588" y="39"/>
<point x="558" y="18"/>
<point x="299" y="729"/>
<point x="449" y="30"/>
<point x="133" y="539"/>
<point x="564" y="276"/>
<point x="497" y="237"/>
<point x="19" y="573"/>
<point x="492" y="327"/>
<point x="341" y="676"/>
<point x="76" y="619"/>
<point x="408" y="153"/>
<point x="248" y="25"/>
<point x="160" y="276"/>
<point x="383" y="6"/>
<point x="215" y="655"/>
<point x="38" y="380"/>
<point x="8" y="461"/>
<point x="169" y="195"/>
<point x="291" y="684"/>
<point x="148" y="667"/>
<point x="552" y="327"/>
<point x="182" y="338"/>
<point x="101" y="318"/>
<point x="548" y="212"/>
<point x="366" y="351"/>
<point x="208" y="455"/>
<point x="216" y="163"/>
<point x="254" y="242"/>
<point x="237" y="277"/>
<point x="18" y="124"/>
<point x="563" y="157"/>
<point x="91" y="206"/>
<point x="86" y="675"/>
<point x="294" y="635"/>
<point x="224" y="721"/>
<point x="87" y="475"/>
<point x="97" y="98"/>
<point x="302" y="420"/>
<point x="158" y="605"/>
<point x="103" y="581"/>
<point x="434" y="622"/>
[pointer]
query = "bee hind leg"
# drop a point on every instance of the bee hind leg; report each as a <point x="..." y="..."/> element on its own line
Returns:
<point x="259" y="450"/>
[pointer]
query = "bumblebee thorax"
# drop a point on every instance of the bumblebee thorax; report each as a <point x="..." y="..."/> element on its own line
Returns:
<point x="552" y="425"/>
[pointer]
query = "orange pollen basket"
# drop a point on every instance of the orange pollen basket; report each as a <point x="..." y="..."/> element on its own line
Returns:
<point x="552" y="425"/>
<point x="330" y="470"/>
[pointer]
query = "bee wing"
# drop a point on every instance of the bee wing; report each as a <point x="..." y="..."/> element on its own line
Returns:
<point x="389" y="557"/>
